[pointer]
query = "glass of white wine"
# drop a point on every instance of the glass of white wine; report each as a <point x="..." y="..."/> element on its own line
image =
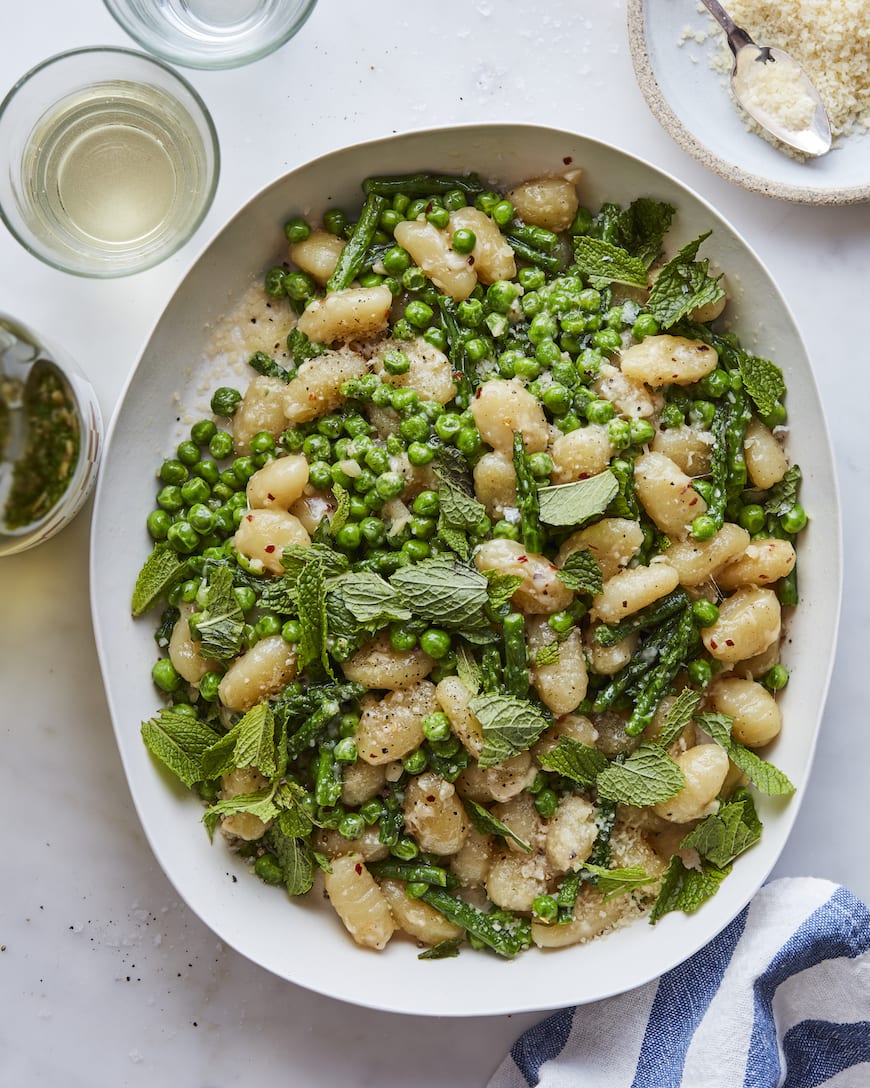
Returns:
<point x="211" y="33"/>
<point x="109" y="161"/>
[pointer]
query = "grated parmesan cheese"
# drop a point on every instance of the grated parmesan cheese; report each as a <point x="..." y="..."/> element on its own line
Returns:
<point x="776" y="91"/>
<point x="830" y="39"/>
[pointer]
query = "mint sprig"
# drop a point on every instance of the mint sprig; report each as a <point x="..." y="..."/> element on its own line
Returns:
<point x="509" y="725"/>
<point x="648" y="776"/>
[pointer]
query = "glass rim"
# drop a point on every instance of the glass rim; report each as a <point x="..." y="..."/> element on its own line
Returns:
<point x="210" y="139"/>
<point x="198" y="60"/>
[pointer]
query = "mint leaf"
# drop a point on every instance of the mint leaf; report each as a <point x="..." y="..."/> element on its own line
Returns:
<point x="501" y="587"/>
<point x="296" y="558"/>
<point x="608" y="263"/>
<point x="261" y="804"/>
<point x="221" y="756"/>
<point x="720" y="838"/>
<point x="762" y="380"/>
<point x="342" y="510"/>
<point x="678" y="717"/>
<point x="686" y="889"/>
<point x="294" y="819"/>
<point x="648" y="776"/>
<point x="575" y="760"/>
<point x="443" y="950"/>
<point x="574" y="504"/>
<point x="221" y="624"/>
<point x="458" y="510"/>
<point x="581" y="573"/>
<point x="369" y="598"/>
<point x="295" y="858"/>
<point x="614" y="882"/>
<point x="468" y="669"/>
<point x="255" y="746"/>
<point x="454" y="539"/>
<point x="641" y="228"/>
<point x="509" y="726"/>
<point x="446" y="592"/>
<point x="179" y="742"/>
<point x="763" y="775"/>
<point x="487" y="824"/>
<point x="311" y="600"/>
<point x="682" y="285"/>
<point x="783" y="495"/>
<point x="547" y="655"/>
<point x="160" y="571"/>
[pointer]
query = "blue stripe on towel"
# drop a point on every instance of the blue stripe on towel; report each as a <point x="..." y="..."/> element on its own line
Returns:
<point x="839" y="927"/>
<point x="816" y="1050"/>
<point x="541" y="1043"/>
<point x="681" y="1002"/>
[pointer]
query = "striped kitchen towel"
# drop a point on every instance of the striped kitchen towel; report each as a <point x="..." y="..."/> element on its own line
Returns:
<point x="780" y="999"/>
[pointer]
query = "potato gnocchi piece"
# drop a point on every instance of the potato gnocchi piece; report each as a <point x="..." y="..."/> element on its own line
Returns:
<point x="756" y="717"/>
<point x="697" y="560"/>
<point x="430" y="374"/>
<point x="705" y="767"/>
<point x="264" y="670"/>
<point x="549" y="202"/>
<point x="514" y="881"/>
<point x="500" y="782"/>
<point x="242" y="825"/>
<point x="430" y="249"/>
<point x="668" y="360"/>
<point x="312" y="508"/>
<point x="361" y="781"/>
<point x="317" y="255"/>
<point x="470" y="864"/>
<point x="561" y="685"/>
<point x="502" y="408"/>
<point x="541" y="592"/>
<point x="377" y="665"/>
<point x="435" y="814"/>
<point x="607" y="660"/>
<point x="575" y="726"/>
<point x="359" y="902"/>
<point x="571" y="834"/>
<point x="495" y="484"/>
<point x="368" y="845"/>
<point x="280" y="483"/>
<point x="580" y="453"/>
<point x="613" y="542"/>
<point x="667" y="494"/>
<point x="631" y="399"/>
<point x="749" y="622"/>
<point x="632" y="589"/>
<point x="316" y="389"/>
<point x="761" y="563"/>
<point x="493" y="256"/>
<point x="454" y="698"/>
<point x="262" y="409"/>
<point x="356" y="313"/>
<point x="766" y="462"/>
<point x="521" y="816"/>
<point x="263" y="535"/>
<point x="417" y="918"/>
<point x="185" y="652"/>
<point x="689" y="447"/>
<point x="392" y="727"/>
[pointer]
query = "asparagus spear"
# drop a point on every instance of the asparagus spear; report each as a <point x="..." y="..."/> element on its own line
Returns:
<point x="516" y="658"/>
<point x="650" y="616"/>
<point x="417" y="185"/>
<point x="353" y="255"/>
<point x="670" y="661"/>
<point x="527" y="498"/>
<point x="504" y="938"/>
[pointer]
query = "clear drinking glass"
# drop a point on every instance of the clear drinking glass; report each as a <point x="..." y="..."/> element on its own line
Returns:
<point x="211" y="33"/>
<point x="108" y="161"/>
<point x="51" y="435"/>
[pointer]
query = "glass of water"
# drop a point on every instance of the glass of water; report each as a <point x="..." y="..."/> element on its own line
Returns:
<point x="211" y="33"/>
<point x="109" y="161"/>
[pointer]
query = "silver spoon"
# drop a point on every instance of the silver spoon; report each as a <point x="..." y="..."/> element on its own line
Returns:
<point x="813" y="137"/>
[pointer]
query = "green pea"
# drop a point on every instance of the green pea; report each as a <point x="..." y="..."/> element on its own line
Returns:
<point x="421" y="454"/>
<point x="262" y="442"/>
<point x="415" y="550"/>
<point x="291" y="631"/>
<point x="527" y="369"/>
<point x="404" y="400"/>
<point x="348" y="536"/>
<point x="702" y="412"/>
<point x="545" y="907"/>
<point x="245" y="597"/>
<point x="334" y="221"/>
<point x="414" y="279"/>
<point x="201" y="518"/>
<point x="268" y="868"/>
<point x="752" y="518"/>
<point x="468" y="441"/>
<point x="776" y="417"/>
<point x="469" y="312"/>
<point x="296" y="230"/>
<point x="569" y="422"/>
<point x="704" y="527"/>
<point x="464" y="240"/>
<point x="600" y="411"/>
<point x="644" y="325"/>
<point x="448" y="426"/>
<point x="220" y="445"/>
<point x="203" y="431"/>
<point x="504" y="530"/>
<point x="224" y="401"/>
<point x="320" y="475"/>
<point x="164" y="675"/>
<point x="415" y="762"/>
<point x="705" y="612"/>
<point x="700" y="672"/>
<point x="187" y="453"/>
<point x="157" y="523"/>
<point x="557" y="399"/>
<point x="548" y="352"/>
<point x="437" y="337"/>
<point x="299" y="286"/>
<point x="345" y="752"/>
<point x="715" y="384"/>
<point x="401" y="638"/>
<point x="502" y="213"/>
<point x="542" y="327"/>
<point x="671" y="417"/>
<point x="208" y="686"/>
<point x="501" y="295"/>
<point x="794" y="519"/>
<point x="436" y="726"/>
<point x="435" y="642"/>
<point x="607" y="340"/>
<point x="776" y="678"/>
<point x="419" y="313"/>
<point x="170" y="499"/>
<point x="414" y="428"/>
<point x="439" y="216"/>
<point x="207" y="470"/>
<point x="222" y="491"/>
<point x="546" y="802"/>
<point x="173" y="472"/>
<point x="405" y="849"/>
<point x="561" y="622"/>
<point x="195" y="490"/>
<point x="642" y="432"/>
<point x="371" y="811"/>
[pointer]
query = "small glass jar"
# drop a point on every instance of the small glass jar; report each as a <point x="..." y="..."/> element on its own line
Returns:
<point x="51" y="436"/>
<point x="211" y="33"/>
<point x="109" y="161"/>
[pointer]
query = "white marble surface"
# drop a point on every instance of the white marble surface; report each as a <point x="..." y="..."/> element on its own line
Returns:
<point x="105" y="978"/>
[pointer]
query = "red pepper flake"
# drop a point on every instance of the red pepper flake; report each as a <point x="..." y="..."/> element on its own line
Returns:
<point x="269" y="548"/>
<point x="271" y="497"/>
<point x="430" y="797"/>
<point x="479" y="389"/>
<point x="471" y="260"/>
<point x="567" y="160"/>
<point x="358" y="869"/>
<point x="522" y="559"/>
<point x="729" y="641"/>
<point x="714" y="645"/>
<point x="249" y="517"/>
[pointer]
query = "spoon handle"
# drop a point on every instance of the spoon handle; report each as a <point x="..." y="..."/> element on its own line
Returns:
<point x="737" y="36"/>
